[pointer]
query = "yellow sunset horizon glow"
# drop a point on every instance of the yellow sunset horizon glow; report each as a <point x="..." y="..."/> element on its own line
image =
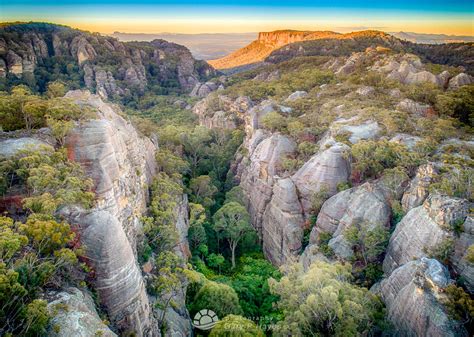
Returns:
<point x="198" y="26"/>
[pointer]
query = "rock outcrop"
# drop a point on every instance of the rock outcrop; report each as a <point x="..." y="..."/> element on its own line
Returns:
<point x="322" y="173"/>
<point x="413" y="294"/>
<point x="283" y="224"/>
<point x="73" y="314"/>
<point x="418" y="190"/>
<point x="133" y="68"/>
<point x="258" y="173"/>
<point x="203" y="89"/>
<point x="424" y="229"/>
<point x="368" y="204"/>
<point x="120" y="162"/>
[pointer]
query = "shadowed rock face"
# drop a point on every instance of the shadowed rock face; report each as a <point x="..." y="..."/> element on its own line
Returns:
<point x="418" y="190"/>
<point x="121" y="164"/>
<point x="118" y="280"/>
<point x="73" y="313"/>
<point x="283" y="223"/>
<point x="258" y="175"/>
<point x="423" y="229"/>
<point x="413" y="295"/>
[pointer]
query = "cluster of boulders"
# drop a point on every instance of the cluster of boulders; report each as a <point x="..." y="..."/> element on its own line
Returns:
<point x="404" y="68"/>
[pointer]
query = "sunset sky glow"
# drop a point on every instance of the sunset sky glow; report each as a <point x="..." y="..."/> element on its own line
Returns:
<point x="226" y="16"/>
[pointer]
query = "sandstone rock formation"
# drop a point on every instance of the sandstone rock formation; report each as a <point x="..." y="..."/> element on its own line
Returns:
<point x="460" y="80"/>
<point x="413" y="107"/>
<point x="203" y="89"/>
<point x="73" y="314"/>
<point x="418" y="190"/>
<point x="296" y="95"/>
<point x="258" y="176"/>
<point x="369" y="203"/>
<point x="283" y="223"/>
<point x="322" y="173"/>
<point x="129" y="70"/>
<point x="10" y="147"/>
<point x="413" y="295"/>
<point x="424" y="229"/>
<point x="461" y="264"/>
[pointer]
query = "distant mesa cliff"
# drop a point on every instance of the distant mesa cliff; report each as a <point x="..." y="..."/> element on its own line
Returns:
<point x="267" y="42"/>
<point x="283" y="45"/>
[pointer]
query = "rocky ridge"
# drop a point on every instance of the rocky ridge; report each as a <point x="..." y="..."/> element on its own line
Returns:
<point x="105" y="65"/>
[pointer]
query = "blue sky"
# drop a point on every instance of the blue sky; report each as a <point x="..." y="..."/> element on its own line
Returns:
<point x="436" y="16"/>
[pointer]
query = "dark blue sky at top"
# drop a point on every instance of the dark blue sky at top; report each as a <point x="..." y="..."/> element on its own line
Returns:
<point x="425" y="5"/>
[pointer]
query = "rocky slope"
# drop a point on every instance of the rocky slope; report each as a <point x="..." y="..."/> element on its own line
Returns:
<point x="122" y="165"/>
<point x="281" y="202"/>
<point x="33" y="52"/>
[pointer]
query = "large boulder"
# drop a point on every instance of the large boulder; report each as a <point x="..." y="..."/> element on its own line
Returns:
<point x="203" y="89"/>
<point x="73" y="314"/>
<point x="460" y="80"/>
<point x="283" y="224"/>
<point x="258" y="173"/>
<point x="322" y="173"/>
<point x="413" y="107"/>
<point x="413" y="294"/>
<point x="296" y="96"/>
<point x="369" y="203"/>
<point x="423" y="229"/>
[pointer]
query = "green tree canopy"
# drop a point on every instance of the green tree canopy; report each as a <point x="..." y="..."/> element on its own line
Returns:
<point x="236" y="326"/>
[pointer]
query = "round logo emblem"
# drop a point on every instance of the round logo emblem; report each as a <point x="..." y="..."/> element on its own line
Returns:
<point x="205" y="319"/>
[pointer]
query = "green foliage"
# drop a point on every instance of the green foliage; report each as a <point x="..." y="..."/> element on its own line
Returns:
<point x="250" y="281"/>
<point x="56" y="89"/>
<point x="318" y="199"/>
<point x="459" y="304"/>
<point x="397" y="212"/>
<point x="470" y="254"/>
<point x="371" y="157"/>
<point x="232" y="222"/>
<point x="368" y="243"/>
<point x="443" y="251"/>
<point x="322" y="301"/>
<point x="159" y="229"/>
<point x="236" y="194"/>
<point x="458" y="104"/>
<point x="323" y="244"/>
<point x="196" y="232"/>
<point x="202" y="190"/>
<point x="236" y="326"/>
<point x="47" y="236"/>
<point x="456" y="182"/>
<point x="273" y="121"/>
<point x="170" y="163"/>
<point x="218" y="297"/>
<point x="50" y="178"/>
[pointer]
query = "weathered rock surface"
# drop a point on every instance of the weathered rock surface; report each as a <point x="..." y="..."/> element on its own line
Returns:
<point x="323" y="172"/>
<point x="413" y="107"/>
<point x="74" y="315"/>
<point x="418" y="190"/>
<point x="405" y="139"/>
<point x="118" y="278"/>
<point x="296" y="95"/>
<point x="120" y="162"/>
<point x="258" y="174"/>
<point x="283" y="224"/>
<point x="203" y="89"/>
<point x="32" y="44"/>
<point x="423" y="229"/>
<point x="368" y="203"/>
<point x="10" y="147"/>
<point x="460" y="80"/>
<point x="365" y="91"/>
<point x="413" y="295"/>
